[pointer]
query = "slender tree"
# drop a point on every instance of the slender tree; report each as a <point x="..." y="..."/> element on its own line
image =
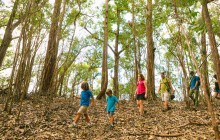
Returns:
<point x="150" y="52"/>
<point x="104" y="81"/>
<point x="213" y="45"/>
<point x="134" y="43"/>
<point x="116" y="54"/>
<point x="11" y="25"/>
<point x="215" y="59"/>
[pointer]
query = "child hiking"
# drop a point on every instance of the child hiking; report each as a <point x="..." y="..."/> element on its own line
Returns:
<point x="111" y="103"/>
<point x="141" y="93"/>
<point x="85" y="97"/>
<point x="165" y="89"/>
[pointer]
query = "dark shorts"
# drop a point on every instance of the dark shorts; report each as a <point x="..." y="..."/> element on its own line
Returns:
<point x="140" y="96"/>
<point x="216" y="90"/>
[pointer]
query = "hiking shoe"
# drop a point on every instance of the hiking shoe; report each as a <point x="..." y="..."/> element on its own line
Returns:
<point x="164" y="110"/>
<point x="89" y="125"/>
<point x="73" y="126"/>
<point x="111" y="127"/>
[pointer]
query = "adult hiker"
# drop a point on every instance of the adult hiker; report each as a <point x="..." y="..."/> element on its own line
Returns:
<point x="166" y="91"/>
<point x="216" y="88"/>
<point x="194" y="88"/>
<point x="141" y="93"/>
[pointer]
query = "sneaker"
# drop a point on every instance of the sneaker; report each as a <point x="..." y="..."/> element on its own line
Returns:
<point x="73" y="126"/>
<point x="89" y="125"/>
<point x="164" y="110"/>
<point x="111" y="127"/>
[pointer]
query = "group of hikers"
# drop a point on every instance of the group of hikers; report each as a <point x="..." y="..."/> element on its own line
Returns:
<point x="165" y="90"/>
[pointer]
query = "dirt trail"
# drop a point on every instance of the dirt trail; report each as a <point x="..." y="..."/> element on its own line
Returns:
<point x="51" y="121"/>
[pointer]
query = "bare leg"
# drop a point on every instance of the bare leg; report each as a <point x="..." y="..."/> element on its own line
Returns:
<point x="166" y="104"/>
<point x="141" y="109"/>
<point x="111" y="119"/>
<point x="138" y="104"/>
<point x="87" y="118"/>
<point x="216" y="95"/>
<point x="76" y="119"/>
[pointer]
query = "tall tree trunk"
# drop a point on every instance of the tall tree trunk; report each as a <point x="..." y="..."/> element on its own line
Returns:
<point x="150" y="52"/>
<point x="104" y="82"/>
<point x="47" y="81"/>
<point x="214" y="49"/>
<point x="8" y="32"/>
<point x="9" y="101"/>
<point x="204" y="65"/>
<point x="139" y="57"/>
<point x="204" y="81"/>
<point x="116" y="54"/>
<point x="59" y="37"/>
<point x="134" y="43"/>
<point x="215" y="59"/>
<point x="181" y="60"/>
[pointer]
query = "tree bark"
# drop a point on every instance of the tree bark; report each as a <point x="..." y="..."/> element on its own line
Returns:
<point x="8" y="32"/>
<point x="47" y="81"/>
<point x="215" y="59"/>
<point x="150" y="52"/>
<point x="181" y="58"/>
<point x="104" y="82"/>
<point x="139" y="56"/>
<point x="134" y="43"/>
<point x="116" y="54"/>
<point x="214" y="49"/>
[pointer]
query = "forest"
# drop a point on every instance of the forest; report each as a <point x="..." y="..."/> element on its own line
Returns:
<point x="49" y="47"/>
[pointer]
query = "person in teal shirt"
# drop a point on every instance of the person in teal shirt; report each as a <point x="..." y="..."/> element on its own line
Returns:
<point x="194" y="88"/>
<point x="111" y="105"/>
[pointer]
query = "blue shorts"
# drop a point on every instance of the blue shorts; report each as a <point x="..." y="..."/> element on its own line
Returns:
<point x="111" y="113"/>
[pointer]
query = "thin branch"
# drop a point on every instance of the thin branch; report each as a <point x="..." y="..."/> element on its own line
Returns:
<point x="204" y="61"/>
<point x="95" y="37"/>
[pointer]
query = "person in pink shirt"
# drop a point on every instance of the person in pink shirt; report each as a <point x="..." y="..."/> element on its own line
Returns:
<point x="141" y="93"/>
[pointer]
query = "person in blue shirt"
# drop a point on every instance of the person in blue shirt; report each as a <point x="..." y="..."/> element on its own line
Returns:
<point x="85" y="97"/>
<point x="194" y="88"/>
<point x="111" y="105"/>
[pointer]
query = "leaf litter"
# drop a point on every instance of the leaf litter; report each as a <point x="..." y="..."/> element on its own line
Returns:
<point x="43" y="120"/>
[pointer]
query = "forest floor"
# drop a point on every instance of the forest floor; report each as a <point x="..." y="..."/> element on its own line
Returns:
<point x="42" y="120"/>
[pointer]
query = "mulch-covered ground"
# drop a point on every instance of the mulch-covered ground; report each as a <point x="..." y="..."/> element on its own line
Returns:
<point x="42" y="120"/>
